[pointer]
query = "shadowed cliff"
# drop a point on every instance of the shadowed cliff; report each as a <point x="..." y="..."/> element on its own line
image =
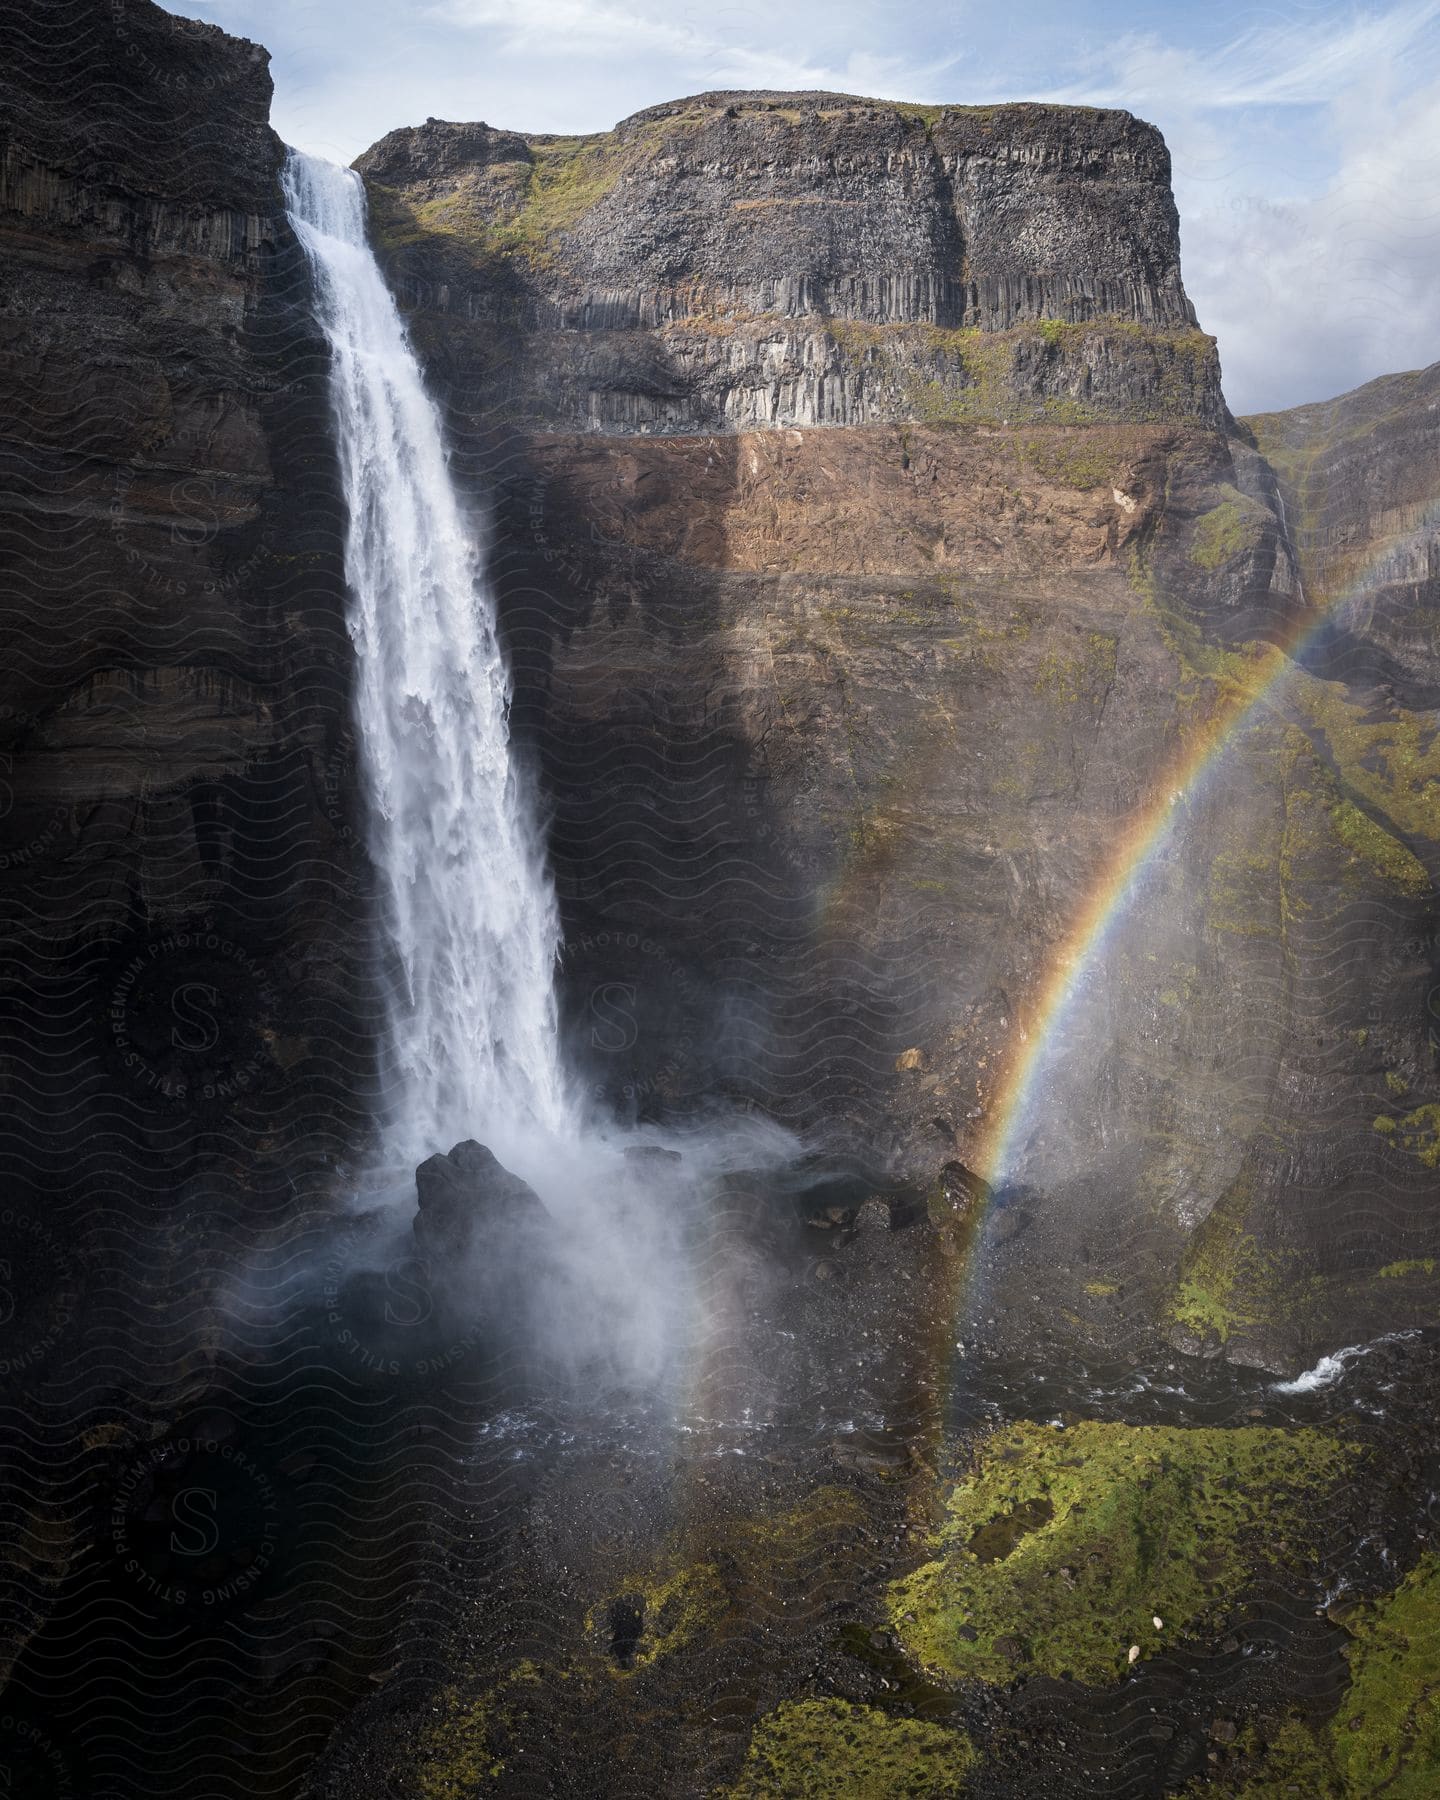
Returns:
<point x="183" y="898"/>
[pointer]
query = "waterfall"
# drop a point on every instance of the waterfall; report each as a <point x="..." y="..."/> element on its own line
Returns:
<point x="470" y="1045"/>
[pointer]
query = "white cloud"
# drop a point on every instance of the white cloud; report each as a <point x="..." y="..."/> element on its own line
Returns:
<point x="1295" y="63"/>
<point x="1312" y="296"/>
<point x="550" y="28"/>
<point x="699" y="46"/>
<point x="1305" y="155"/>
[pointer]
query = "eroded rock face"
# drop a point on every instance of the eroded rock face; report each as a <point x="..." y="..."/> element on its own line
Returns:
<point x="182" y="885"/>
<point x="857" y="620"/>
<point x="801" y="202"/>
<point x="182" y="892"/>
<point x="1357" y="477"/>
<point x="872" y="545"/>
<point x="735" y="260"/>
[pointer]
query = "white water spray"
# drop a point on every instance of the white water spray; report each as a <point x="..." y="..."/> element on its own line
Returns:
<point x="471" y="1043"/>
<point x="470" y="1038"/>
<point x="1332" y="1368"/>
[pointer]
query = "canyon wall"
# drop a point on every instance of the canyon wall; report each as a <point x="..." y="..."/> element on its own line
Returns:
<point x="183" y="894"/>
<point x="742" y="260"/>
<point x="874" y="542"/>
<point x="182" y="885"/>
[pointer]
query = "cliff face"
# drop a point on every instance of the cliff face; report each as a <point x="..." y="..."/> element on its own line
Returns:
<point x="737" y="260"/>
<point x="181" y="889"/>
<point x="176" y="689"/>
<point x="874" y="544"/>
<point x="1357" y="477"/>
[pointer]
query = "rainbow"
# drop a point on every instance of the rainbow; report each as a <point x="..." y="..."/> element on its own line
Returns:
<point x="1143" y="837"/>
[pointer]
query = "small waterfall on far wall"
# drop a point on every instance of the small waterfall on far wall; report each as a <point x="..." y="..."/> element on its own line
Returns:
<point x="471" y="1044"/>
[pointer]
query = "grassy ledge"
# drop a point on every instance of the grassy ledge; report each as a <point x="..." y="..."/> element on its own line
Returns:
<point x="1063" y="1547"/>
<point x="829" y="1750"/>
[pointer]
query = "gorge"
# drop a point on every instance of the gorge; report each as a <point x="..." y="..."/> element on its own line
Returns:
<point x="911" y="833"/>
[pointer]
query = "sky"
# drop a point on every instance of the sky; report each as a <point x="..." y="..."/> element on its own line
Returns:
<point x="1305" y="135"/>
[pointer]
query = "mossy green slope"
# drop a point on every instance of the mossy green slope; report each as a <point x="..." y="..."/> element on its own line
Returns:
<point x="1227" y="1281"/>
<point x="829" y="1750"/>
<point x="1385" y="1737"/>
<point x="680" y="1596"/>
<point x="1379" y="849"/>
<point x="463" y="1750"/>
<point x="1062" y="1547"/>
<point x="1236" y="525"/>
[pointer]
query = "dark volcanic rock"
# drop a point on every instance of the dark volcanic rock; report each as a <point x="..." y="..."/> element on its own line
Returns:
<point x="734" y="260"/>
<point x="182" y="891"/>
<point x="183" y="885"/>
<point x="466" y="1197"/>
<point x="957" y="1190"/>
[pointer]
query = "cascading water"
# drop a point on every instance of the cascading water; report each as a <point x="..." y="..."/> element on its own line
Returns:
<point x="471" y="1029"/>
<point x="471" y="1045"/>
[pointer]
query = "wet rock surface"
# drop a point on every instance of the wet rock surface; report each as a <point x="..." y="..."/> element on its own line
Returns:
<point x="465" y="1195"/>
<point x="678" y="1596"/>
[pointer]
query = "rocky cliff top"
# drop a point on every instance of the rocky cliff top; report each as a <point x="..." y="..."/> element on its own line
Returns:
<point x="743" y="259"/>
<point x="1056" y="132"/>
<point x="866" y="210"/>
<point x="125" y="94"/>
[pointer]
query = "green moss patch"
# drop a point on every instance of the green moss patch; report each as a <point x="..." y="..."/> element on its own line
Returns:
<point x="1392" y="763"/>
<point x="1101" y="458"/>
<point x="1383" y="852"/>
<point x="571" y="175"/>
<point x="464" y="1750"/>
<point x="1228" y="530"/>
<point x="1227" y="1280"/>
<point x="1385" y="1737"/>
<point x="1419" y="1133"/>
<point x="1108" y="1526"/>
<point x="1083" y="677"/>
<point x="521" y="209"/>
<point x="1291" y="1762"/>
<point x="652" y="1614"/>
<point x="829" y="1750"/>
<point x="967" y="375"/>
<point x="1244" y="893"/>
<point x="746" y="1563"/>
